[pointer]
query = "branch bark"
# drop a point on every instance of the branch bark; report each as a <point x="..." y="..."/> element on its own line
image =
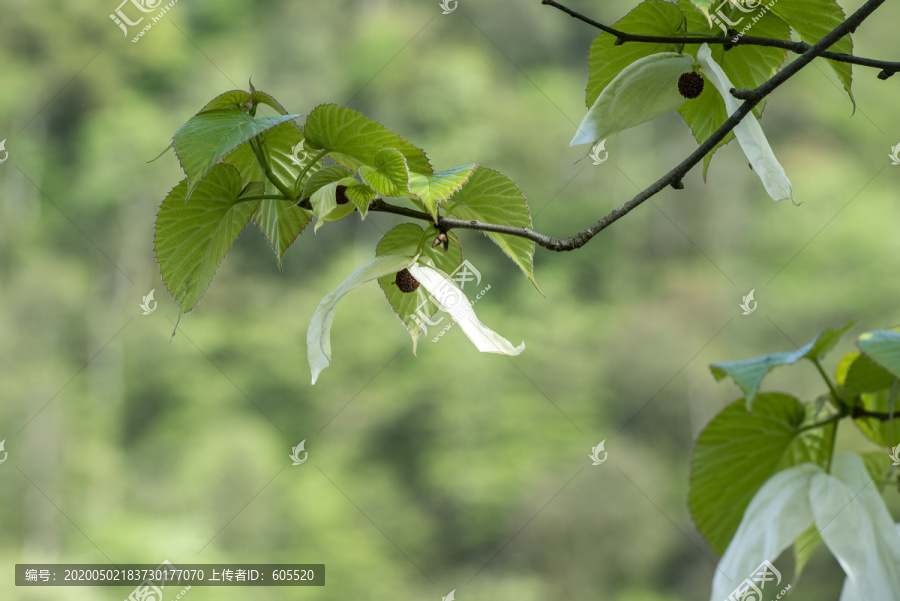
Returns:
<point x="672" y="178"/>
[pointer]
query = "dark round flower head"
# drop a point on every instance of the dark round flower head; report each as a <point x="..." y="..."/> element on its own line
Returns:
<point x="406" y="282"/>
<point x="690" y="84"/>
<point x="340" y="195"/>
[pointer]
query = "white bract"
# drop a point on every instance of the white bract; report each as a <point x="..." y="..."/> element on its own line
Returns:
<point x="748" y="132"/>
<point x="451" y="299"/>
<point x="848" y="512"/>
<point x="647" y="89"/>
<point x="442" y="288"/>
<point x="642" y="91"/>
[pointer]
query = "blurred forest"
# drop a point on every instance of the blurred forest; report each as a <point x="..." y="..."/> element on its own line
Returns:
<point x="453" y="470"/>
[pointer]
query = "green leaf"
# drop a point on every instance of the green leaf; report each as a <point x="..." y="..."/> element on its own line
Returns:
<point x="734" y="455"/>
<point x="644" y="90"/>
<point x="884" y="433"/>
<point x="749" y="374"/>
<point x="883" y="347"/>
<point x="280" y="221"/>
<point x="207" y="137"/>
<point x="804" y="547"/>
<point x="492" y="197"/>
<point x="413" y="308"/>
<point x="879" y="466"/>
<point x="318" y="336"/>
<point x="234" y="100"/>
<point x="361" y="195"/>
<point x="653" y="17"/>
<point x="258" y="97"/>
<point x="325" y="206"/>
<point x="432" y="189"/>
<point x="746" y="66"/>
<point x="860" y="374"/>
<point x="389" y="175"/>
<point x="192" y="238"/>
<point x="813" y="20"/>
<point x="353" y="140"/>
<point x="323" y="177"/>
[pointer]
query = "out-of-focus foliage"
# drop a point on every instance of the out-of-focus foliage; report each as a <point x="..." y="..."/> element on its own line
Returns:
<point x="453" y="470"/>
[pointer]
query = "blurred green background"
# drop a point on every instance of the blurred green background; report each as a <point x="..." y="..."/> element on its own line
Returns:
<point x="453" y="470"/>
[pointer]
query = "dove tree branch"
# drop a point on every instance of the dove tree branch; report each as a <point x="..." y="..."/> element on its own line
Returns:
<point x="888" y="68"/>
<point x="673" y="178"/>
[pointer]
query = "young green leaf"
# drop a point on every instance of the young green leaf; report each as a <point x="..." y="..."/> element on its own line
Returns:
<point x="414" y="308"/>
<point x="258" y="97"/>
<point x="325" y="206"/>
<point x="749" y="374"/>
<point x="883" y="347"/>
<point x="192" y="238"/>
<point x="353" y="140"/>
<point x="644" y="90"/>
<point x="861" y="374"/>
<point x="735" y="454"/>
<point x="323" y="177"/>
<point x="232" y="100"/>
<point x="812" y="20"/>
<point x="361" y="195"/>
<point x="652" y="17"/>
<point x="280" y="221"/>
<point x="451" y="299"/>
<point x="318" y="336"/>
<point x="207" y="137"/>
<point x="492" y="197"/>
<point x="432" y="189"/>
<point x="389" y="175"/>
<point x="885" y="433"/>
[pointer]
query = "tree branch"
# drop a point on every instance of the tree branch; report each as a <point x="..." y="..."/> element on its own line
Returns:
<point x="858" y="412"/>
<point x="888" y="68"/>
<point x="672" y="178"/>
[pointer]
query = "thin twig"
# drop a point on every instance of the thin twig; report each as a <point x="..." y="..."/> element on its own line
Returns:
<point x="887" y="67"/>
<point x="672" y="178"/>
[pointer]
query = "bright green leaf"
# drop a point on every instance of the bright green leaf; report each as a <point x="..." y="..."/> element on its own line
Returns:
<point x="432" y="189"/>
<point x="653" y="17"/>
<point x="734" y="455"/>
<point x="885" y="433"/>
<point x="813" y="20"/>
<point x="361" y="195"/>
<point x="863" y="375"/>
<point x="353" y="140"/>
<point x="192" y="238"/>
<point x="234" y="100"/>
<point x="749" y="374"/>
<point x="389" y="175"/>
<point x="325" y="206"/>
<point x="323" y="177"/>
<point x="280" y="221"/>
<point x="493" y="198"/>
<point x="207" y="137"/>
<point x="258" y="97"/>
<point x="883" y="347"/>
<point x="413" y="308"/>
